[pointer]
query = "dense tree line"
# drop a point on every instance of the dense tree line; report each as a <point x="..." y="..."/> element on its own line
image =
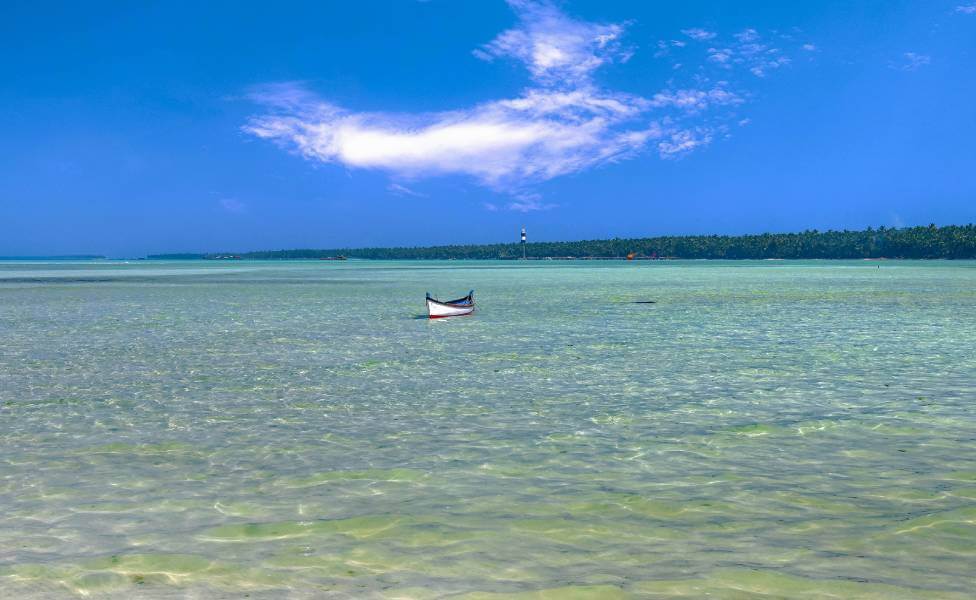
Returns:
<point x="953" y="241"/>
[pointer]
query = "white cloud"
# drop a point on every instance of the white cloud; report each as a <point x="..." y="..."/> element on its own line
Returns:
<point x="720" y="55"/>
<point x="696" y="100"/>
<point x="557" y="49"/>
<point x="748" y="35"/>
<point x="751" y="53"/>
<point x="527" y="202"/>
<point x="915" y="61"/>
<point x="682" y="142"/>
<point x="698" y="34"/>
<point x="401" y="190"/>
<point x="233" y="205"/>
<point x="966" y="9"/>
<point x="762" y="67"/>
<point x="535" y="137"/>
<point x="809" y="47"/>
<point x="563" y="123"/>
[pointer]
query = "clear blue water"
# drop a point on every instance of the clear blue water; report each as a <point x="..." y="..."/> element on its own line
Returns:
<point x="216" y="429"/>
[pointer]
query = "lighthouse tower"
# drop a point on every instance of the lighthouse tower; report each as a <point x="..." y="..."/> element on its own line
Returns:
<point x="523" y="243"/>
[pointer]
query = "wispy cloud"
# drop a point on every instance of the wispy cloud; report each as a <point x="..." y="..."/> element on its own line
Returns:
<point x="556" y="49"/>
<point x="722" y="56"/>
<point x="682" y="142"/>
<point x="538" y="136"/>
<point x="751" y="51"/>
<point x="966" y="9"/>
<point x="699" y="34"/>
<point x="401" y="190"/>
<point x="563" y="123"/>
<point x="696" y="99"/>
<point x="527" y="202"/>
<point x="746" y="36"/>
<point x="913" y="61"/>
<point x="232" y="205"/>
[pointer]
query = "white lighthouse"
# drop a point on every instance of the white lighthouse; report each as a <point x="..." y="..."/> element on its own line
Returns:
<point x="523" y="243"/>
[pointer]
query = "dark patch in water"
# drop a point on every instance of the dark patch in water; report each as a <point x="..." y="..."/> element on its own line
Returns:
<point x="54" y="280"/>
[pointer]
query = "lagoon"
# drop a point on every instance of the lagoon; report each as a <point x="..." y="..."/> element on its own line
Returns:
<point x="215" y="429"/>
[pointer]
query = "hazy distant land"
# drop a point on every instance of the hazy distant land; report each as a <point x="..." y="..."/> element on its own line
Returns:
<point x="56" y="257"/>
<point x="931" y="242"/>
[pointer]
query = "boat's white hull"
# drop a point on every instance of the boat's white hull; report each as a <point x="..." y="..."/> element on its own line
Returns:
<point x="436" y="310"/>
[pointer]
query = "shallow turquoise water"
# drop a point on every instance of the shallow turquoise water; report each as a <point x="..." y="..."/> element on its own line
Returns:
<point x="765" y="429"/>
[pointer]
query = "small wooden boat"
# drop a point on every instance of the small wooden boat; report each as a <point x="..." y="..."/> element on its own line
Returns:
<point x="452" y="308"/>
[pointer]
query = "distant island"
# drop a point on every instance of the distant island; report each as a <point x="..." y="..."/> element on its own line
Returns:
<point x="950" y="242"/>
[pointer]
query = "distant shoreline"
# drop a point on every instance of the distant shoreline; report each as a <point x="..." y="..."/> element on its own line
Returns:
<point x="55" y="257"/>
<point x="930" y="242"/>
<point x="165" y="258"/>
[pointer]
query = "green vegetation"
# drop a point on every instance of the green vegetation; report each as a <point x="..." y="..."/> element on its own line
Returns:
<point x="953" y="241"/>
<point x="180" y="256"/>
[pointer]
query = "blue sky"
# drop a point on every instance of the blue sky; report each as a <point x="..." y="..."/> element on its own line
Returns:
<point x="133" y="128"/>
